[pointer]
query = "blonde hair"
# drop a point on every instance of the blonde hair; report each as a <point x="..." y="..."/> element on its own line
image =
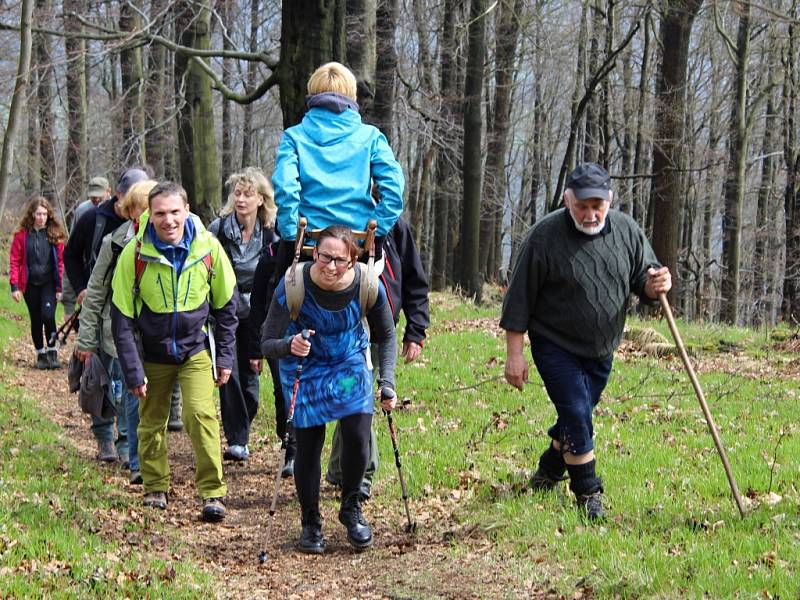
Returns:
<point x="254" y="178"/>
<point x="333" y="77"/>
<point x="136" y="197"/>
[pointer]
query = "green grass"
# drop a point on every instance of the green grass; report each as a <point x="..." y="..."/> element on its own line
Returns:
<point x="54" y="506"/>
<point x="673" y="530"/>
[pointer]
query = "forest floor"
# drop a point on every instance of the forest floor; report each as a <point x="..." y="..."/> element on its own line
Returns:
<point x="441" y="560"/>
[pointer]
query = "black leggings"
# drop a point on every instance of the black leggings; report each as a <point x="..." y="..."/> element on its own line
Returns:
<point x="355" y="455"/>
<point x="41" y="302"/>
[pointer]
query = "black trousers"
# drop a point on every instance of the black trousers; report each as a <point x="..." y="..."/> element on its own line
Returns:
<point x="41" y="303"/>
<point x="239" y="397"/>
<point x="355" y="454"/>
<point x="280" y="407"/>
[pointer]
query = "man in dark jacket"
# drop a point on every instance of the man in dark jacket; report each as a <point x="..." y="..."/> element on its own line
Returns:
<point x="80" y="254"/>
<point x="407" y="290"/>
<point x="569" y="291"/>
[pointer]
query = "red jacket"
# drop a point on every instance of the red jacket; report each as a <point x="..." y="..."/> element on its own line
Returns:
<point x="18" y="259"/>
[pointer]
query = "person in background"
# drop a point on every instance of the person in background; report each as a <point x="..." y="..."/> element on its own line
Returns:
<point x="245" y="229"/>
<point x="95" y="333"/>
<point x="98" y="191"/>
<point x="80" y="255"/>
<point x="35" y="269"/>
<point x="325" y="166"/>
<point x="569" y="291"/>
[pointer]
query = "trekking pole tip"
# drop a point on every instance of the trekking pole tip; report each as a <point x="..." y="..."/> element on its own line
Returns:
<point x="262" y="557"/>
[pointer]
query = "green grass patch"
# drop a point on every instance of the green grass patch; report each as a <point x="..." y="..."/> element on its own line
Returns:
<point x="52" y="509"/>
<point x="673" y="530"/>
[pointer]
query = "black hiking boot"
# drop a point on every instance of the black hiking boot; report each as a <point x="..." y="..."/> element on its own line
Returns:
<point x="543" y="481"/>
<point x="311" y="540"/>
<point x="592" y="506"/>
<point x="359" y="533"/>
<point x="52" y="359"/>
<point x="41" y="361"/>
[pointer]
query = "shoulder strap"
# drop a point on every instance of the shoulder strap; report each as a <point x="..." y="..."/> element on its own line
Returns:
<point x="97" y="236"/>
<point x="222" y="237"/>
<point x="368" y="288"/>
<point x="295" y="290"/>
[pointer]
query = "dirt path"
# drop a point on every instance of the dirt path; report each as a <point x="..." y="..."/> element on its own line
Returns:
<point x="398" y="566"/>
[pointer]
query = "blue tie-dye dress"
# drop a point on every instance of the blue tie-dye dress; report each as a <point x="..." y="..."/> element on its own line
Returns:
<point x="337" y="375"/>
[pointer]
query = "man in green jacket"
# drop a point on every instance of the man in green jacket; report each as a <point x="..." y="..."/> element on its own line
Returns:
<point x="569" y="291"/>
<point x="165" y="285"/>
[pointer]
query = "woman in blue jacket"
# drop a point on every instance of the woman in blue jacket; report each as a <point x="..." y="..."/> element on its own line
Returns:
<point x="325" y="166"/>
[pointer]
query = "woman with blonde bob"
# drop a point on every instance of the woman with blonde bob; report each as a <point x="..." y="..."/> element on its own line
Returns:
<point x="245" y="229"/>
<point x="326" y="165"/>
<point x="95" y="333"/>
<point x="35" y="270"/>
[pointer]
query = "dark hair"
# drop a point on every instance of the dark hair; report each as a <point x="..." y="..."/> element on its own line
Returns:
<point x="167" y="188"/>
<point x="339" y="232"/>
<point x="55" y="230"/>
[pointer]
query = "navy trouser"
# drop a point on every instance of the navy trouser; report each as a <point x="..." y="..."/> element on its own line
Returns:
<point x="574" y="385"/>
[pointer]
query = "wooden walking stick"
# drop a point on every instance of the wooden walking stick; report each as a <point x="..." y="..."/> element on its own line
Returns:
<point x="701" y="397"/>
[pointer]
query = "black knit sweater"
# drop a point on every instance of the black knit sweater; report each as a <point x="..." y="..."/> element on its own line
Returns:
<point x="572" y="288"/>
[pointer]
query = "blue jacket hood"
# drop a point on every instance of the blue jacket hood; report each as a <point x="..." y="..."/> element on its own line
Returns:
<point x="326" y="127"/>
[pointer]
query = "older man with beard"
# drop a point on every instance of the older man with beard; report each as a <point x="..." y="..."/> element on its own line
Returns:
<point x="569" y="291"/>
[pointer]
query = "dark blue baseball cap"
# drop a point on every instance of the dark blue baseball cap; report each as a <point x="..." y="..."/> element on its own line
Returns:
<point x="589" y="180"/>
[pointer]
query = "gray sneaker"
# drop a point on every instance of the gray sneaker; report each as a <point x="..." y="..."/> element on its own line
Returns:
<point x="107" y="452"/>
<point x="236" y="453"/>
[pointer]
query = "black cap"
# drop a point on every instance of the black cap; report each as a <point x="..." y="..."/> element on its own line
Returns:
<point x="589" y="180"/>
<point x="127" y="179"/>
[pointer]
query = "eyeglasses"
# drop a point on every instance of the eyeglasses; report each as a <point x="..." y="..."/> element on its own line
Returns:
<point x="327" y="259"/>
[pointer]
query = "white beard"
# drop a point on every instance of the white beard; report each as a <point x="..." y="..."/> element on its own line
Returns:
<point x="588" y="230"/>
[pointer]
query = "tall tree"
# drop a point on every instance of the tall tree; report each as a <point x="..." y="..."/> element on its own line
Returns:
<point x="666" y="192"/>
<point x="790" y="307"/>
<point x="361" y="47"/>
<point x="312" y="34"/>
<point x="196" y="133"/>
<point x="133" y="149"/>
<point x="508" y="20"/>
<point x="471" y="277"/>
<point x="45" y="106"/>
<point x="76" y="105"/>
<point x="157" y="99"/>
<point x="381" y="111"/>
<point x="17" y="99"/>
<point x="252" y="73"/>
<point x="226" y="131"/>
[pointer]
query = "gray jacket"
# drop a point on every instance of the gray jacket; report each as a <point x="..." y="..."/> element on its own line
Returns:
<point x="96" y="308"/>
<point x="244" y="257"/>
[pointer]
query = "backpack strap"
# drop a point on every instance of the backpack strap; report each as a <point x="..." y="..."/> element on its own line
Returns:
<point x="368" y="287"/>
<point x="295" y="289"/>
<point x="97" y="238"/>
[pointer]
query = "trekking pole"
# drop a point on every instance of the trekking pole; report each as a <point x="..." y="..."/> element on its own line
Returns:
<point x="262" y="556"/>
<point x="62" y="333"/>
<point x="411" y="526"/>
<point x="701" y="397"/>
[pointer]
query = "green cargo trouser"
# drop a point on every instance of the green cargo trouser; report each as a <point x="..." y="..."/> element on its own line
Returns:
<point x="199" y="418"/>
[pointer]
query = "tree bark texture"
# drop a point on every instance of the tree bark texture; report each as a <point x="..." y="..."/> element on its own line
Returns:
<point x="360" y="24"/>
<point x="75" y="171"/>
<point x="45" y="106"/>
<point x="133" y="125"/>
<point x="312" y="34"/>
<point x="666" y="192"/>
<point x="471" y="276"/>
<point x="381" y="111"/>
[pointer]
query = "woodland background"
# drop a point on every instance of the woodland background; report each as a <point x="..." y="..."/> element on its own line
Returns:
<point x="691" y="105"/>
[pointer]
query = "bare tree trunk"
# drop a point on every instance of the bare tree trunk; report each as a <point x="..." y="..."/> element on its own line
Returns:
<point x="247" y="118"/>
<point x="638" y="201"/>
<point x="133" y="126"/>
<point x="495" y="181"/>
<point x="445" y="135"/>
<point x="45" y="93"/>
<point x="381" y="111"/>
<point x="227" y="105"/>
<point x="156" y="99"/>
<point x="17" y="100"/>
<point x="471" y="279"/>
<point x="790" y="306"/>
<point x="76" y="107"/>
<point x="198" y="148"/>
<point x="361" y="48"/>
<point x="312" y="33"/>
<point x="734" y="183"/>
<point x="666" y="192"/>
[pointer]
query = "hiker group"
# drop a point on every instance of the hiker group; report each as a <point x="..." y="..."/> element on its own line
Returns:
<point x="169" y="309"/>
